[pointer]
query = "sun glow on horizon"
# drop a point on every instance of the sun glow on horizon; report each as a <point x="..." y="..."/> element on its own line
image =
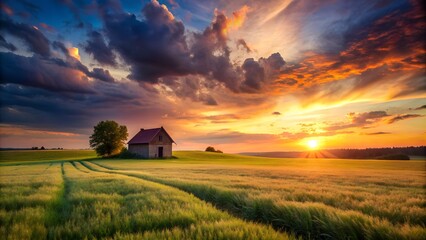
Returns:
<point x="312" y="144"/>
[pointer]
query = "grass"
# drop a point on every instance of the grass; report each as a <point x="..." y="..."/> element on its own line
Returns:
<point x="69" y="200"/>
<point x="41" y="156"/>
<point x="213" y="196"/>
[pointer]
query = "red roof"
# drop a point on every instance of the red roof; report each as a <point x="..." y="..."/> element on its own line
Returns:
<point x="146" y="135"/>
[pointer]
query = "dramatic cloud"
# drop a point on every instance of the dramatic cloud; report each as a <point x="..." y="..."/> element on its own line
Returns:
<point x="390" y="49"/>
<point x="42" y="73"/>
<point x="101" y="74"/>
<point x="98" y="48"/>
<point x="254" y="74"/>
<point x="158" y="47"/>
<point x="35" y="40"/>
<point x="212" y="71"/>
<point x="154" y="48"/>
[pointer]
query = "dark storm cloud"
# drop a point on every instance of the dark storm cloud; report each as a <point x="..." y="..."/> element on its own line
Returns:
<point x="403" y="117"/>
<point x="41" y="73"/>
<point x="71" y="62"/>
<point x="7" y="45"/>
<point x="53" y="74"/>
<point x="96" y="46"/>
<point x="35" y="40"/>
<point x="21" y="104"/>
<point x="101" y="74"/>
<point x="158" y="47"/>
<point x="259" y="73"/>
<point x="254" y="74"/>
<point x="274" y="62"/>
<point x="154" y="48"/>
<point x="211" y="54"/>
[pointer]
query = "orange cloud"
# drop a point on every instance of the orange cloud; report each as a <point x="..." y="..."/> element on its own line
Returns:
<point x="389" y="52"/>
<point x="166" y="10"/>
<point x="73" y="52"/>
<point x="238" y="18"/>
<point x="235" y="21"/>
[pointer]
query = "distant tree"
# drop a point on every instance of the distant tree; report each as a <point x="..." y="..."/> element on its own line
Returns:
<point x="42" y="148"/>
<point x="108" y="138"/>
<point x="210" y="149"/>
<point x="34" y="148"/>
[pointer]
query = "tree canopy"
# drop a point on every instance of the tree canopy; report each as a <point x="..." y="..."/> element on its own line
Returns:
<point x="108" y="138"/>
<point x="211" y="149"/>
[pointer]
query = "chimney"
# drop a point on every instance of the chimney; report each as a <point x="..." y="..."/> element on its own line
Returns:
<point x="142" y="129"/>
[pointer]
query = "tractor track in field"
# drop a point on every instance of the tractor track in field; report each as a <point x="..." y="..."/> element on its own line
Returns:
<point x="153" y="180"/>
<point x="260" y="211"/>
<point x="59" y="209"/>
<point x="78" y="168"/>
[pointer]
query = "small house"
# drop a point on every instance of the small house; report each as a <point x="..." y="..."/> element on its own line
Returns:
<point x="151" y="143"/>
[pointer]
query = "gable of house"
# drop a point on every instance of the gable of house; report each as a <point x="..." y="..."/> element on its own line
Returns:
<point x="151" y="136"/>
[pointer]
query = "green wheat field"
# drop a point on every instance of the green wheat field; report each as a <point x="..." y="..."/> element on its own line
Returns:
<point x="198" y="195"/>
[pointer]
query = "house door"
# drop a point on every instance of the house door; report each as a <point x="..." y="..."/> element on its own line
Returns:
<point x="160" y="152"/>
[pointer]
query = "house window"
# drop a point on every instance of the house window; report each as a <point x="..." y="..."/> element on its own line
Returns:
<point x="160" y="138"/>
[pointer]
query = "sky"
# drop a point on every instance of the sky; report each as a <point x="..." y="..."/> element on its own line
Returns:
<point x="242" y="76"/>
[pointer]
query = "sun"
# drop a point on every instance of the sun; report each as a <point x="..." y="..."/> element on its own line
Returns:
<point x="312" y="144"/>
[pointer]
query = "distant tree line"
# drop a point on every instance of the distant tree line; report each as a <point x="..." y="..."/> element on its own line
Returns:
<point x="379" y="153"/>
<point x="43" y="148"/>
<point x="391" y="153"/>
